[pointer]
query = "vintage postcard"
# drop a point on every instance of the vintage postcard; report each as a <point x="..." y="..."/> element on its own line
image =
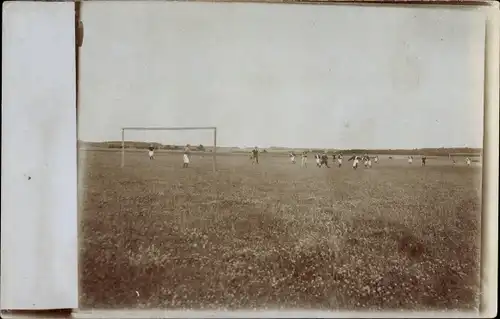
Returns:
<point x="273" y="156"/>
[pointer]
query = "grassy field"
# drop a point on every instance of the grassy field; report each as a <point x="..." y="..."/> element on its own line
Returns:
<point x="277" y="235"/>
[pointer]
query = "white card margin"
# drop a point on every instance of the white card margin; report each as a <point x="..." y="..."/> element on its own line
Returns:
<point x="39" y="268"/>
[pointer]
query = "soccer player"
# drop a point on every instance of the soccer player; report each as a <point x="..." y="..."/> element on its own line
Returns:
<point x="324" y="160"/>
<point x="368" y="161"/>
<point x="410" y="159"/>
<point x="318" y="159"/>
<point x="292" y="157"/>
<point x="376" y="159"/>
<point x="365" y="160"/>
<point x="339" y="159"/>
<point x="151" y="152"/>
<point x="423" y="160"/>
<point x="186" y="156"/>
<point x="255" y="155"/>
<point x="355" y="162"/>
<point x="304" y="159"/>
<point x="468" y="161"/>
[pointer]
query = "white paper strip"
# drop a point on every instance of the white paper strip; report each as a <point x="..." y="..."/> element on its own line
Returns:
<point x="39" y="163"/>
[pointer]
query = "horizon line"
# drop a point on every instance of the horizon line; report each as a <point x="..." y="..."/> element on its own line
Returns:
<point x="291" y="148"/>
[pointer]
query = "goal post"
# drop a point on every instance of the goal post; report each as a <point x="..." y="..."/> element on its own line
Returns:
<point x="192" y="128"/>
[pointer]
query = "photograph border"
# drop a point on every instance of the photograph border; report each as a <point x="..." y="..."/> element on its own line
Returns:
<point x="488" y="297"/>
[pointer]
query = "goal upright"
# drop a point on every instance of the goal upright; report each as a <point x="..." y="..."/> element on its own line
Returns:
<point x="192" y="128"/>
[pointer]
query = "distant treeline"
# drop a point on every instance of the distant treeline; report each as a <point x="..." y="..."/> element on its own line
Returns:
<point x="138" y="145"/>
<point x="419" y="151"/>
<point x="459" y="151"/>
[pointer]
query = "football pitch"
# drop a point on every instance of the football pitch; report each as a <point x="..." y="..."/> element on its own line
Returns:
<point x="155" y="235"/>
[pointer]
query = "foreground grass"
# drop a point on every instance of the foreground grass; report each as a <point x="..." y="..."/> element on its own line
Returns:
<point x="275" y="235"/>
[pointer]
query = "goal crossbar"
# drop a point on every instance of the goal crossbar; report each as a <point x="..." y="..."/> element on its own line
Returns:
<point x="187" y="128"/>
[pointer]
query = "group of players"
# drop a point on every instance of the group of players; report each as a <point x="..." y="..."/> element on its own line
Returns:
<point x="320" y="158"/>
<point x="186" y="156"/>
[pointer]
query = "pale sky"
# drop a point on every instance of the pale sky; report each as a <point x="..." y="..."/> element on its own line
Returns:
<point x="283" y="75"/>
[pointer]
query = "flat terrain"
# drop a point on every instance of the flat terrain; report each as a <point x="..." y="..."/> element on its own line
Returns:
<point x="275" y="234"/>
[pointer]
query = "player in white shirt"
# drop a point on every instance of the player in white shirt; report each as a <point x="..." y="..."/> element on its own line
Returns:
<point x="365" y="160"/>
<point x="304" y="159"/>
<point x="151" y="151"/>
<point x="186" y="156"/>
<point x="355" y="160"/>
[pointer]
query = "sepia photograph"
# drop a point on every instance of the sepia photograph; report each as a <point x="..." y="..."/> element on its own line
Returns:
<point x="238" y="156"/>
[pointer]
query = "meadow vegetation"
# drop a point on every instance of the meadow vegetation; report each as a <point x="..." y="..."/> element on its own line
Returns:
<point x="276" y="235"/>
